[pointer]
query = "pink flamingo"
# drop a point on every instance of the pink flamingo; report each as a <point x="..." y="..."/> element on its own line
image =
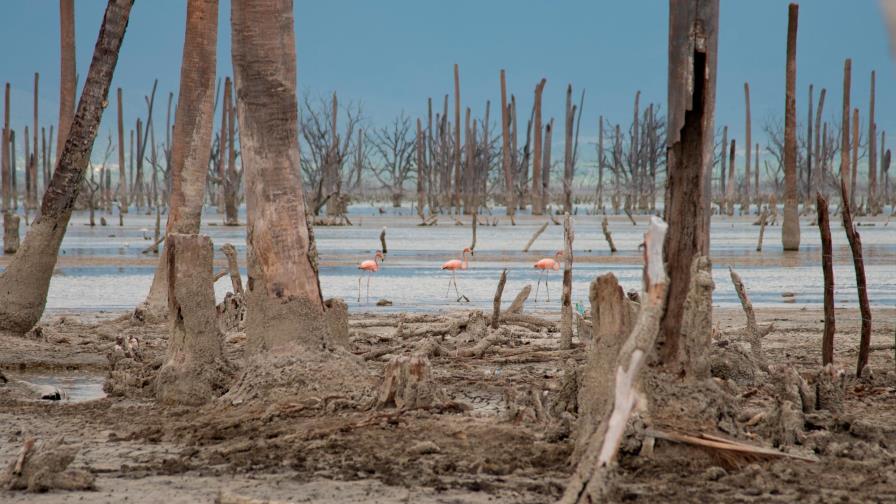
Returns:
<point x="546" y="265"/>
<point x="454" y="265"/>
<point x="371" y="266"/>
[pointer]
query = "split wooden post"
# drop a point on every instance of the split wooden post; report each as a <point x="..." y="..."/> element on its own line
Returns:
<point x="566" y="298"/>
<point x="827" y="264"/>
<point x="855" y="244"/>
<point x="496" y="309"/>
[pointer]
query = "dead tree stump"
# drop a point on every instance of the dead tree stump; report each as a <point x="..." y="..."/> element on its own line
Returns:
<point x="496" y="308"/>
<point x="754" y="333"/>
<point x="42" y="466"/>
<point x="195" y="371"/>
<point x="407" y="384"/>
<point x="337" y="321"/>
<point x="611" y="324"/>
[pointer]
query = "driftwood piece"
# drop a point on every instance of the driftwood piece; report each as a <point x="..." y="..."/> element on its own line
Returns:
<point x="605" y="225"/>
<point x="496" y="309"/>
<point x="827" y="265"/>
<point x="517" y="305"/>
<point x="233" y="268"/>
<point x="535" y="236"/>
<point x="566" y="296"/>
<point x="43" y="465"/>
<point x="589" y="479"/>
<point x="729" y="445"/>
<point x="855" y="244"/>
<point x="484" y="344"/>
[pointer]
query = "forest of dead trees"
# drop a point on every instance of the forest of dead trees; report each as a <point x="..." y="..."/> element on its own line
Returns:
<point x="464" y="158"/>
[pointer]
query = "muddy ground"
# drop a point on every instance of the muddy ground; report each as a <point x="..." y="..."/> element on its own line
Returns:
<point x="470" y="449"/>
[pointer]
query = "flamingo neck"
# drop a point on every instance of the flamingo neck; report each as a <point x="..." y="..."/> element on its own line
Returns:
<point x="464" y="264"/>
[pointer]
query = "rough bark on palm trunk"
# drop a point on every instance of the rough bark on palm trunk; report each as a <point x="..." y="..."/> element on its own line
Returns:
<point x="790" y="230"/>
<point x="4" y="152"/>
<point x="67" y="74"/>
<point x="748" y="142"/>
<point x="855" y="245"/>
<point x="693" y="39"/>
<point x="231" y="182"/>
<point x="283" y="293"/>
<point x="844" y="124"/>
<point x="24" y="283"/>
<point x="191" y="145"/>
<point x="195" y="371"/>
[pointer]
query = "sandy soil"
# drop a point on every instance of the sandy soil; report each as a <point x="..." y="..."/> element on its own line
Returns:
<point x="471" y="452"/>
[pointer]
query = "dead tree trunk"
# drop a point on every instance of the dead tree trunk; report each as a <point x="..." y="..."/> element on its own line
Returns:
<point x="233" y="268"/>
<point x="827" y="264"/>
<point x="496" y="307"/>
<point x="5" y="154"/>
<point x="195" y="371"/>
<point x="854" y="165"/>
<point x="457" y="146"/>
<point x="566" y="297"/>
<point x="192" y="141"/>
<point x="568" y="157"/>
<point x="790" y="229"/>
<point x="723" y="164"/>
<point x="536" y="197"/>
<point x="609" y="237"/>
<point x="284" y="304"/>
<point x="844" y="125"/>
<point x="872" y="153"/>
<point x="693" y="39"/>
<point x="232" y="178"/>
<point x="855" y="244"/>
<point x="421" y="170"/>
<point x="748" y="142"/>
<point x="546" y="164"/>
<point x="24" y="283"/>
<point x="122" y="176"/>
<point x="68" y="77"/>
<point x="506" y="159"/>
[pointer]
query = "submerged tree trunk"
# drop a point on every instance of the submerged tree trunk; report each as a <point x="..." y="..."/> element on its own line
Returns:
<point x="693" y="39"/>
<point x="4" y="152"/>
<point x="506" y="164"/>
<point x="232" y="180"/>
<point x="790" y="230"/>
<point x="191" y="145"/>
<point x="748" y="142"/>
<point x="284" y="297"/>
<point x="24" y="283"/>
<point x="844" y="125"/>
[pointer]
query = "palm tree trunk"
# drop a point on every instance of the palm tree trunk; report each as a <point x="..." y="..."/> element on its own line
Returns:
<point x="25" y="282"/>
<point x="191" y="146"/>
<point x="67" y="78"/>
<point x="284" y="304"/>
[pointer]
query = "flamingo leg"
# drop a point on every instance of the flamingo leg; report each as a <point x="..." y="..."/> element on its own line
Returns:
<point x="368" y="287"/>
<point x="359" y="288"/>
<point x="546" y="287"/>
<point x="449" y="285"/>
<point x="453" y="275"/>
<point x="538" y="284"/>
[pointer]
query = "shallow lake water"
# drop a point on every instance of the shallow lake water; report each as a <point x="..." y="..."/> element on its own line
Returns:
<point x="102" y="268"/>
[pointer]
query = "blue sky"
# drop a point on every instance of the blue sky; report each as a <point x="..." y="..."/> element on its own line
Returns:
<point x="393" y="54"/>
